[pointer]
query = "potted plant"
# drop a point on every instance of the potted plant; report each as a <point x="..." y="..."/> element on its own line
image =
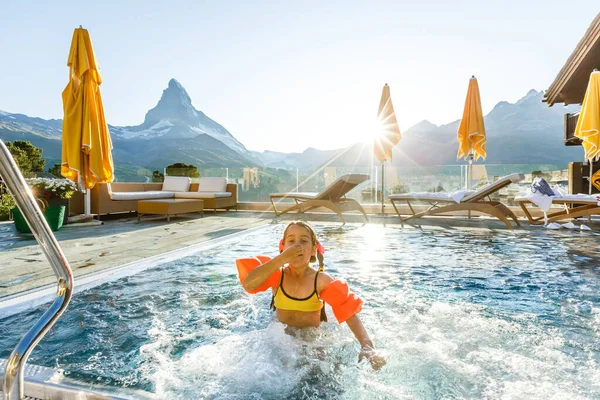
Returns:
<point x="54" y="195"/>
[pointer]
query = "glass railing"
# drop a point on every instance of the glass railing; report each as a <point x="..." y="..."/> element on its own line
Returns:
<point x="255" y="184"/>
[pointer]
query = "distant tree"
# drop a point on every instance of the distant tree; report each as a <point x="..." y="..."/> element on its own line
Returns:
<point x="540" y="174"/>
<point x="157" y="176"/>
<point x="482" y="182"/>
<point x="181" y="169"/>
<point x="55" y="170"/>
<point x="28" y="157"/>
<point x="399" y="188"/>
<point x="439" y="188"/>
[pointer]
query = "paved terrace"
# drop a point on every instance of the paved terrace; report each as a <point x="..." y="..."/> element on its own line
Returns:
<point x="92" y="247"/>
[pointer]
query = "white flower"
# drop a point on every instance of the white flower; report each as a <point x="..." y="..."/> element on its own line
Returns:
<point x="59" y="187"/>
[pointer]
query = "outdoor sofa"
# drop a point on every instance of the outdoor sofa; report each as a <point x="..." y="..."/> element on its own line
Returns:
<point x="117" y="197"/>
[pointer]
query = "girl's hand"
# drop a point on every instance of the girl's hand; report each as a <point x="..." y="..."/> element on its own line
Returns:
<point x="375" y="359"/>
<point x="291" y="253"/>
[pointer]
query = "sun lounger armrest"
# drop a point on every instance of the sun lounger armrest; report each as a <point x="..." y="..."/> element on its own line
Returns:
<point x="299" y="196"/>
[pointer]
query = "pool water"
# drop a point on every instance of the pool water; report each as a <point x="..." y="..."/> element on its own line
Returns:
<point x="457" y="314"/>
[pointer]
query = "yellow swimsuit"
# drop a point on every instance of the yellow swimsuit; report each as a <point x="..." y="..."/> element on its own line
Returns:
<point x="283" y="301"/>
<point x="344" y="303"/>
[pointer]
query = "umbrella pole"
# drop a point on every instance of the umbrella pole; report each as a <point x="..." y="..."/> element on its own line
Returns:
<point x="382" y="187"/>
<point x="590" y="178"/>
<point x="470" y="171"/>
<point x="87" y="205"/>
<point x="470" y="175"/>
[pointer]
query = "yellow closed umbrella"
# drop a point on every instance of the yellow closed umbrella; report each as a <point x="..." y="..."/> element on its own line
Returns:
<point x="388" y="135"/>
<point x="588" y="123"/>
<point x="471" y="131"/>
<point x="86" y="143"/>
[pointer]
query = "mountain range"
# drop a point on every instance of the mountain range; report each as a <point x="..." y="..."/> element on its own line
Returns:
<point x="525" y="132"/>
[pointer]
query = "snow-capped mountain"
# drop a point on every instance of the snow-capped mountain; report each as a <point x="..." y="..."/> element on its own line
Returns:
<point x="173" y="131"/>
<point x="49" y="129"/>
<point x="174" y="117"/>
<point x="524" y="132"/>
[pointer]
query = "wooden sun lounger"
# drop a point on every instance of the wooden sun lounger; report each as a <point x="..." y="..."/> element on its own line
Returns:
<point x="574" y="206"/>
<point x="473" y="202"/>
<point x="333" y="197"/>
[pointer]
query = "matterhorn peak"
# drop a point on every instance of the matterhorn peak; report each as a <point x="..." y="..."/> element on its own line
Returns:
<point x="175" y="117"/>
<point x="176" y="90"/>
<point x="174" y="104"/>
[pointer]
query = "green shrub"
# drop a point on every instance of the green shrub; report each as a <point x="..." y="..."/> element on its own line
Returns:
<point x="182" y="169"/>
<point x="55" y="170"/>
<point x="157" y="176"/>
<point x="6" y="203"/>
<point x="482" y="182"/>
<point x="399" y="188"/>
<point x="539" y="174"/>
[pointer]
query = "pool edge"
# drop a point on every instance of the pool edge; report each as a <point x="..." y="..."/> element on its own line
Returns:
<point x="16" y="303"/>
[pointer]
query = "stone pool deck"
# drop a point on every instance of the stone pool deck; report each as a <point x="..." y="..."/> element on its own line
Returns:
<point x="92" y="247"/>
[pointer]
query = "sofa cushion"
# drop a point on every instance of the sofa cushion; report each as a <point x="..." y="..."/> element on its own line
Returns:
<point x="212" y="185"/>
<point x="176" y="184"/>
<point x="152" y="194"/>
<point x="201" y="195"/>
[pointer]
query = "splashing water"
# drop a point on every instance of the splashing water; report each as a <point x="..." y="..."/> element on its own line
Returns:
<point x="456" y="314"/>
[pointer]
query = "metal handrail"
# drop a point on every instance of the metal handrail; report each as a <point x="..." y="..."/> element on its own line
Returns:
<point x="13" y="376"/>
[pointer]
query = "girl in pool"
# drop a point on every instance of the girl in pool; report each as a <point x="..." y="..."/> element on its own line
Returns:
<point x="299" y="290"/>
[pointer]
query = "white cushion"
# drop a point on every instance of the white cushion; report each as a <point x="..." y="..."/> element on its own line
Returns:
<point x="176" y="184"/>
<point x="212" y="185"/>
<point x="582" y="198"/>
<point x="201" y="195"/>
<point x="433" y="196"/>
<point x="151" y="194"/>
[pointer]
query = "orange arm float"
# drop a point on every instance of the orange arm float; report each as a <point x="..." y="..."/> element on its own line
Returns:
<point x="343" y="303"/>
<point x="245" y="265"/>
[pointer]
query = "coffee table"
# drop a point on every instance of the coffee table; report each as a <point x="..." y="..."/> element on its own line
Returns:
<point x="169" y="207"/>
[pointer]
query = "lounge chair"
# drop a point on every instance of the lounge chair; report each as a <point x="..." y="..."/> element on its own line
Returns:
<point x="574" y="206"/>
<point x="333" y="197"/>
<point x="472" y="201"/>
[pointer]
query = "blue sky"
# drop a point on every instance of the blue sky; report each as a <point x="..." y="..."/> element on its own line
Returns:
<point x="283" y="75"/>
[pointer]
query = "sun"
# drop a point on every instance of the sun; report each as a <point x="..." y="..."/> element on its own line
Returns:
<point x="377" y="130"/>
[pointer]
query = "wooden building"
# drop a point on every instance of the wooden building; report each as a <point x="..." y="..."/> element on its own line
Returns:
<point x="569" y="87"/>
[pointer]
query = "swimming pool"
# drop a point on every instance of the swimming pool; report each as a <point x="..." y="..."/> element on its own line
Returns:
<point x="457" y="314"/>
